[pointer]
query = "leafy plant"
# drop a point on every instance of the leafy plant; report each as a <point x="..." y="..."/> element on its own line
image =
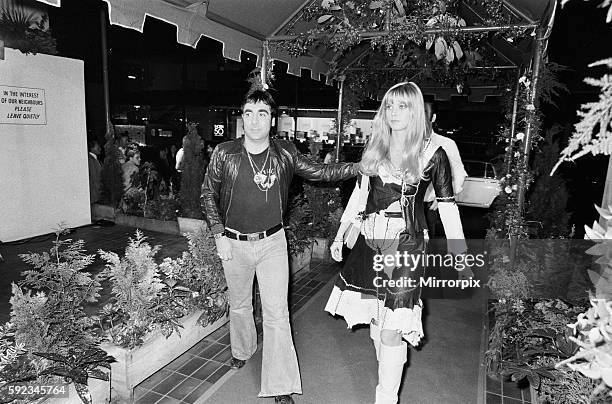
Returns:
<point x="26" y="29"/>
<point x="48" y="321"/>
<point x="200" y="273"/>
<point x="141" y="300"/>
<point x="299" y="216"/>
<point x="528" y="337"/>
<point x="324" y="208"/>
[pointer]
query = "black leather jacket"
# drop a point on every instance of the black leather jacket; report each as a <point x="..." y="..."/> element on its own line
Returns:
<point x="224" y="165"/>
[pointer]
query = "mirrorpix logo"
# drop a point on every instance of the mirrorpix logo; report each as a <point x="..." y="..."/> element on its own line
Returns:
<point x="413" y="261"/>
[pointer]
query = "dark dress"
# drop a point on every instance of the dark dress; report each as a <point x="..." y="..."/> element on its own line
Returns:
<point x="394" y="224"/>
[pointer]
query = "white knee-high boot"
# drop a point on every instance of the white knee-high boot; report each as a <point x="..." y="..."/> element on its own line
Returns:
<point x="390" y="369"/>
<point x="375" y="336"/>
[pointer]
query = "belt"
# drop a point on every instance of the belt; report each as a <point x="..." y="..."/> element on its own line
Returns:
<point x="394" y="214"/>
<point x="253" y="236"/>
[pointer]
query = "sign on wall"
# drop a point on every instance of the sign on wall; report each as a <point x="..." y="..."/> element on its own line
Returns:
<point x="22" y="106"/>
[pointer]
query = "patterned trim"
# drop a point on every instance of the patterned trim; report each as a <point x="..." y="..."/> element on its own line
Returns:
<point x="445" y="198"/>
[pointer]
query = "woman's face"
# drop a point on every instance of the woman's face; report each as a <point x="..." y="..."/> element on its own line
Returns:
<point x="398" y="114"/>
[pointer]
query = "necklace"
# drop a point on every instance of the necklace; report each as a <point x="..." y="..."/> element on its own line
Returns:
<point x="262" y="178"/>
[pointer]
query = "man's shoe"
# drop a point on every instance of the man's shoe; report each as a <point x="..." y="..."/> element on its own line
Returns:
<point x="284" y="399"/>
<point x="237" y="363"/>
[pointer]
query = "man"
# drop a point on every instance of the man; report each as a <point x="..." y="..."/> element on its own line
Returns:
<point x="95" y="170"/>
<point x="124" y="140"/>
<point x="244" y="197"/>
<point x="434" y="224"/>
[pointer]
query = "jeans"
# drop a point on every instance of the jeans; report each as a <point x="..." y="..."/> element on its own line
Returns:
<point x="268" y="259"/>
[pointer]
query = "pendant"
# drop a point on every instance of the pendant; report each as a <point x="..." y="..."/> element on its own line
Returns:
<point x="259" y="178"/>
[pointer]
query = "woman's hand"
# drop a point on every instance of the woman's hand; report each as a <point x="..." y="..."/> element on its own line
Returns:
<point x="336" y="250"/>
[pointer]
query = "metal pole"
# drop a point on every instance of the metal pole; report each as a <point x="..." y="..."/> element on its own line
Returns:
<point x="508" y="157"/>
<point x="105" y="73"/>
<point x="339" y="120"/>
<point x="537" y="60"/>
<point x="295" y="111"/>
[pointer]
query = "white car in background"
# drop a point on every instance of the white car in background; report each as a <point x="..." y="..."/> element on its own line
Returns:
<point x="481" y="186"/>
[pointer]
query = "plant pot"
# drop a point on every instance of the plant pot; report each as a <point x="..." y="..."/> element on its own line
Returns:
<point x="105" y="212"/>
<point x="301" y="261"/>
<point x="320" y="249"/>
<point x="189" y="225"/>
<point x="143" y="223"/>
<point x="135" y="365"/>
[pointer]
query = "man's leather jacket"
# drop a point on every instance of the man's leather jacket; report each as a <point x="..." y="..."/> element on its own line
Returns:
<point x="225" y="163"/>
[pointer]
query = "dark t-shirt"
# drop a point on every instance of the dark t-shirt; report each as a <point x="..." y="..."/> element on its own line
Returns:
<point x="251" y="210"/>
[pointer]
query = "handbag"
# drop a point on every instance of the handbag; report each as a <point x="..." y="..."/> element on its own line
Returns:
<point x="351" y="234"/>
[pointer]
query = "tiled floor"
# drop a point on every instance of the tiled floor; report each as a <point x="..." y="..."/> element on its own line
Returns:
<point x="189" y="376"/>
<point x="500" y="392"/>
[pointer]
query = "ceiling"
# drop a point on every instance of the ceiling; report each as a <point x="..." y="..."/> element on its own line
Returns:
<point x="243" y="25"/>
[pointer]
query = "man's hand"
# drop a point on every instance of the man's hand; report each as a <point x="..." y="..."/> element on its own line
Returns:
<point x="336" y="250"/>
<point x="434" y="205"/>
<point x="224" y="248"/>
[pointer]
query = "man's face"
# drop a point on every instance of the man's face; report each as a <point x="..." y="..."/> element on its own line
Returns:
<point x="257" y="118"/>
<point x="136" y="159"/>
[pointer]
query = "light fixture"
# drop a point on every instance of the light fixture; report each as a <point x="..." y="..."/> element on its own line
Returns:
<point x="131" y="77"/>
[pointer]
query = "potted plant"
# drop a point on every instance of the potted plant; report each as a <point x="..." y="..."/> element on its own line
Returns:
<point x="50" y="339"/>
<point x="299" y="236"/>
<point x="325" y="209"/>
<point x="158" y="312"/>
<point x="192" y="176"/>
<point x="145" y="207"/>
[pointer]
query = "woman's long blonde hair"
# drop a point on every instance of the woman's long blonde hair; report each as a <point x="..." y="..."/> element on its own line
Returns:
<point x="377" y="151"/>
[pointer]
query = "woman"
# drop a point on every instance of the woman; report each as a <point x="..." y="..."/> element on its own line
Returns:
<point x="400" y="165"/>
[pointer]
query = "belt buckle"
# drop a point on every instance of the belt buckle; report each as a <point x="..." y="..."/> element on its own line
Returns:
<point x="253" y="236"/>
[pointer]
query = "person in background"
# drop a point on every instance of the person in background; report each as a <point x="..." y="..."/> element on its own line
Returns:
<point x="179" y="156"/>
<point x="95" y="170"/>
<point x="124" y="140"/>
<point x="163" y="167"/>
<point x="458" y="173"/>
<point x="130" y="167"/>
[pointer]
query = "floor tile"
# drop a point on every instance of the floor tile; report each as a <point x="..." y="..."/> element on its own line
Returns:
<point x="198" y="392"/>
<point x="155" y="379"/>
<point x="206" y="371"/>
<point x="211" y="351"/>
<point x="224" y="356"/>
<point x="168" y="400"/>
<point x="150" y="397"/>
<point x="178" y="362"/>
<point x="184" y="388"/>
<point x="219" y="373"/>
<point x="493" y="386"/>
<point x="192" y="365"/>
<point x="493" y="399"/>
<point x="169" y="383"/>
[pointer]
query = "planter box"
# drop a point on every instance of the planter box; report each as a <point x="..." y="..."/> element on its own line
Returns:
<point x="135" y="365"/>
<point x="102" y="212"/>
<point x="162" y="226"/>
<point x="320" y="249"/>
<point x="489" y="386"/>
<point x="301" y="261"/>
<point x="99" y="390"/>
<point x="188" y="225"/>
